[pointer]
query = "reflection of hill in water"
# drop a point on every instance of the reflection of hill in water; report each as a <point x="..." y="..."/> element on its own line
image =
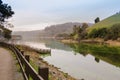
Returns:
<point x="108" y="54"/>
<point x="57" y="45"/>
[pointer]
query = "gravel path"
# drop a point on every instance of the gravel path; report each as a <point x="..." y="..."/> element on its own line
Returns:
<point x="7" y="65"/>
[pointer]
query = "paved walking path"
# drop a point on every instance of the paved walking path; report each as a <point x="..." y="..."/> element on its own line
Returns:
<point x="7" y="65"/>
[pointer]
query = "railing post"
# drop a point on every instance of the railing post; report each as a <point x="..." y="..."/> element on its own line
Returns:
<point x="22" y="53"/>
<point x="27" y="57"/>
<point x="18" y="49"/>
<point x="43" y="72"/>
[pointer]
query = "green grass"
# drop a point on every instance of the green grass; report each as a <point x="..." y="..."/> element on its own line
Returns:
<point x="108" y="22"/>
<point x="32" y="63"/>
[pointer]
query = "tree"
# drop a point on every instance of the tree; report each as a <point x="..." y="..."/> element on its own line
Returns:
<point x="7" y="33"/>
<point x="97" y="20"/>
<point x="79" y="32"/>
<point x="74" y="29"/>
<point x="84" y="26"/>
<point x="5" y="13"/>
<point x="83" y="33"/>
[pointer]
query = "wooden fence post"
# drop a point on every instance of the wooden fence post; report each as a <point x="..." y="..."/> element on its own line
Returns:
<point x="27" y="57"/>
<point x="22" y="53"/>
<point x="18" y="49"/>
<point x="43" y="72"/>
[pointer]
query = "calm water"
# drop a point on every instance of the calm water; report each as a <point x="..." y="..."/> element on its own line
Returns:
<point x="74" y="60"/>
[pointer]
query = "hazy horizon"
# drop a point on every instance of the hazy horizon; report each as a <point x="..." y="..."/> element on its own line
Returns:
<point x="38" y="14"/>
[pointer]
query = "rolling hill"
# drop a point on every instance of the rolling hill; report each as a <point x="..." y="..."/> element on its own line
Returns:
<point x="50" y="31"/>
<point x="67" y="28"/>
<point x="108" y="22"/>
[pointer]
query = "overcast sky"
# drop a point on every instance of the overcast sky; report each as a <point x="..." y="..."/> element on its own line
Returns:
<point x="37" y="14"/>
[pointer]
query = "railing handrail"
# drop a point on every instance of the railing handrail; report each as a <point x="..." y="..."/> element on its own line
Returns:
<point x="22" y="60"/>
<point x="28" y="64"/>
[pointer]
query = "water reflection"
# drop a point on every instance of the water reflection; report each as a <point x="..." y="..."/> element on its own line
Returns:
<point x="97" y="59"/>
<point x="107" y="53"/>
<point x="81" y="61"/>
<point x="54" y="44"/>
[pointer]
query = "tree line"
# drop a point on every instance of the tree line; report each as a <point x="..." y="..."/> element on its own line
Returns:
<point x="79" y="32"/>
<point x="111" y="33"/>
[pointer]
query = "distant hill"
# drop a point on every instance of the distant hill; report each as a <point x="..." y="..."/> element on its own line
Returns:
<point x="108" y="22"/>
<point x="51" y="31"/>
<point x="26" y="35"/>
<point x="61" y="28"/>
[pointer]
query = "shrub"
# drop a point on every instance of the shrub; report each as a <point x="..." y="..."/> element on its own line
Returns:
<point x="106" y="33"/>
<point x="113" y="32"/>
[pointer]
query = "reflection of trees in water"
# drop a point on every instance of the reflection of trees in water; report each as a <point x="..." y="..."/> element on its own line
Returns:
<point x="113" y="59"/>
<point x="97" y="59"/>
<point x="79" y="49"/>
<point x="106" y="53"/>
<point x="54" y="44"/>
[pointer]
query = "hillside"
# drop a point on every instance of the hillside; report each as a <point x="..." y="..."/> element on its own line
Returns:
<point x="51" y="31"/>
<point x="61" y="28"/>
<point x="108" y="22"/>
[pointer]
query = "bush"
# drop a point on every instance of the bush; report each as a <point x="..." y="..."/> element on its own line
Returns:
<point x="106" y="33"/>
<point x="113" y="32"/>
<point x="93" y="34"/>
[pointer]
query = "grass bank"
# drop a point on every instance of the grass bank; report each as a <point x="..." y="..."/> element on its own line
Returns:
<point x="94" y="41"/>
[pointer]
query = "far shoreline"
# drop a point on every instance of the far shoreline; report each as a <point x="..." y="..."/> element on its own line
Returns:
<point x="92" y="41"/>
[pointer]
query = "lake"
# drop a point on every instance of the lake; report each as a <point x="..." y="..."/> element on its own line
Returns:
<point x="89" y="62"/>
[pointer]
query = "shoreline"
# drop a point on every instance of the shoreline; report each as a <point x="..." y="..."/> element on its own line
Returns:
<point x="92" y="41"/>
<point x="54" y="72"/>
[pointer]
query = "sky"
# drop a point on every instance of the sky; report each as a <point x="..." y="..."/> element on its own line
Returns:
<point x="38" y="14"/>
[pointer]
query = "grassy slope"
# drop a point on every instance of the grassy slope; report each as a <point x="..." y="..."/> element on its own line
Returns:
<point x="108" y="22"/>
